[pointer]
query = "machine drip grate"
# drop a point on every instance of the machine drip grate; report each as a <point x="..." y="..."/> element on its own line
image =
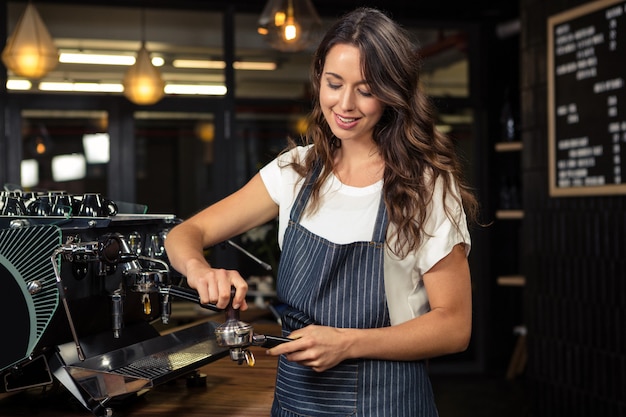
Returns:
<point x="162" y="363"/>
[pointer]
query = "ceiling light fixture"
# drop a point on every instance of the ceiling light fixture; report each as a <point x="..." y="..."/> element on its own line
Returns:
<point x="83" y="87"/>
<point x="95" y="59"/>
<point x="90" y="58"/>
<point x="196" y="89"/>
<point x="198" y="64"/>
<point x="91" y="87"/>
<point x="29" y="51"/>
<point x="142" y="82"/>
<point x="289" y="25"/>
<point x="18" y="85"/>
<point x="212" y="64"/>
<point x="255" y="66"/>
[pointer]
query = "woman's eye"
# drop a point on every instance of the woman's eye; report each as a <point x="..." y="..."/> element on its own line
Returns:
<point x="365" y="93"/>
<point x="334" y="86"/>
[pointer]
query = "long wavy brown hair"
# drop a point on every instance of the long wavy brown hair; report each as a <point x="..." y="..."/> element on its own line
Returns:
<point x="415" y="153"/>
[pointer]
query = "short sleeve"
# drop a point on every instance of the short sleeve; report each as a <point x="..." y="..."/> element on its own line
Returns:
<point x="404" y="277"/>
<point x="442" y="233"/>
<point x="270" y="174"/>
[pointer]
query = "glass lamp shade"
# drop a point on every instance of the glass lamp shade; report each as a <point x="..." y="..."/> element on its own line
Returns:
<point x="143" y="83"/>
<point x="29" y="51"/>
<point x="289" y="25"/>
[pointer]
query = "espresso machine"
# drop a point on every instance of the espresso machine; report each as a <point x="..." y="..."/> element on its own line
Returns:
<point x="80" y="298"/>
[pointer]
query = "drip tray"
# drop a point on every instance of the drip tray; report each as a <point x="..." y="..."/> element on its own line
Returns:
<point x="148" y="363"/>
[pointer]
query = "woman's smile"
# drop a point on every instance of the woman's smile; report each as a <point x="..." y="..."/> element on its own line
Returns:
<point x="346" y="122"/>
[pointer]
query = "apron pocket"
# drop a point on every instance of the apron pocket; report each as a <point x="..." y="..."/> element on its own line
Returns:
<point x="303" y="391"/>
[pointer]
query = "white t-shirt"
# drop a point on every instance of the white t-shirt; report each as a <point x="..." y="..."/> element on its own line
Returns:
<point x="347" y="214"/>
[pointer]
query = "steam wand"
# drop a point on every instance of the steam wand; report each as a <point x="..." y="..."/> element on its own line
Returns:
<point x="62" y="295"/>
<point x="264" y="265"/>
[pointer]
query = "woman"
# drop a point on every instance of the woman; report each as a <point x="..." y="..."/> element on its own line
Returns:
<point x="372" y="229"/>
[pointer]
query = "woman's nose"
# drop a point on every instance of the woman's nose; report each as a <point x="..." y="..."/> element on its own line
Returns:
<point x="346" y="100"/>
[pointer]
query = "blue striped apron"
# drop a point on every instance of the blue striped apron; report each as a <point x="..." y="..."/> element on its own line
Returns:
<point x="341" y="285"/>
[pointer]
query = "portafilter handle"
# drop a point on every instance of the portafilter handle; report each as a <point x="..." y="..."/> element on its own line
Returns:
<point x="188" y="294"/>
<point x="234" y="334"/>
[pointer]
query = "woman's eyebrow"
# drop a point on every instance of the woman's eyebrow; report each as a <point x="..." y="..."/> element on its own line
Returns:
<point x="332" y="74"/>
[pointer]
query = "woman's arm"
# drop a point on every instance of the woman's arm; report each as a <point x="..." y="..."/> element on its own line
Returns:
<point x="445" y="329"/>
<point x="248" y="207"/>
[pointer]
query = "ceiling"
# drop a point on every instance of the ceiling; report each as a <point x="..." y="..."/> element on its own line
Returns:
<point x="193" y="28"/>
<point x="460" y="10"/>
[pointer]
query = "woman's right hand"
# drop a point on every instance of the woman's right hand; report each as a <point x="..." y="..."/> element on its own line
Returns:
<point x="248" y="207"/>
<point x="214" y="285"/>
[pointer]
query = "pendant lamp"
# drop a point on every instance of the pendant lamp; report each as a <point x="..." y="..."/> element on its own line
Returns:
<point x="29" y="51"/>
<point x="142" y="82"/>
<point x="289" y="25"/>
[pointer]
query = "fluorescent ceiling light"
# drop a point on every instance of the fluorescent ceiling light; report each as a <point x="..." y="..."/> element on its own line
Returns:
<point x="198" y="64"/>
<point x="98" y="59"/>
<point x="255" y="66"/>
<point x="21" y="85"/>
<point x="82" y="87"/>
<point x="195" y="89"/>
<point x="210" y="64"/>
<point x="103" y="59"/>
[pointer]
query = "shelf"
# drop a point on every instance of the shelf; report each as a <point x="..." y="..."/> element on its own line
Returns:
<point x="512" y="280"/>
<point x="508" y="146"/>
<point x="509" y="214"/>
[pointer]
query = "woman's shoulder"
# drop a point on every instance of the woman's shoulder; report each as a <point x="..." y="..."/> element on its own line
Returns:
<point x="296" y="154"/>
<point x="281" y="169"/>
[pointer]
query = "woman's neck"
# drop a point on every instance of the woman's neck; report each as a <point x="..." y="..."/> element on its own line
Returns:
<point x="358" y="165"/>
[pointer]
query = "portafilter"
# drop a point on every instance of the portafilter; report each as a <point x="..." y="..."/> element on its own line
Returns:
<point x="234" y="334"/>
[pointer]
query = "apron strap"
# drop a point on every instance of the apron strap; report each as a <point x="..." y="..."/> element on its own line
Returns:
<point x="380" y="228"/>
<point x="305" y="192"/>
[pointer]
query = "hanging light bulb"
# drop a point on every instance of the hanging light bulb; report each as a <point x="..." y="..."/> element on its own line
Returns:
<point x="292" y="30"/>
<point x="289" y="25"/>
<point x="30" y="51"/>
<point x="142" y="82"/>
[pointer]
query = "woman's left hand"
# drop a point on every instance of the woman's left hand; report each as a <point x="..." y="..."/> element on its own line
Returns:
<point x="318" y="347"/>
<point x="445" y="329"/>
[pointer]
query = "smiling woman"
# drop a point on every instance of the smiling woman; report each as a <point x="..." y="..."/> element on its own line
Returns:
<point x="157" y="158"/>
<point x="372" y="228"/>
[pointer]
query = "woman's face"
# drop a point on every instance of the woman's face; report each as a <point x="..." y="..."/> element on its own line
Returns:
<point x="345" y="98"/>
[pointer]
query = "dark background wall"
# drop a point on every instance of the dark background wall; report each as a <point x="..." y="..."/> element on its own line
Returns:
<point x="573" y="256"/>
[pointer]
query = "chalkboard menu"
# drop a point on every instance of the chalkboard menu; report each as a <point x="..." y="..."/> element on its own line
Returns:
<point x="587" y="100"/>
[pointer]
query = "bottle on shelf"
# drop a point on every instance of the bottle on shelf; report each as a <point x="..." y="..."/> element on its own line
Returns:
<point x="508" y="119"/>
<point x="509" y="197"/>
